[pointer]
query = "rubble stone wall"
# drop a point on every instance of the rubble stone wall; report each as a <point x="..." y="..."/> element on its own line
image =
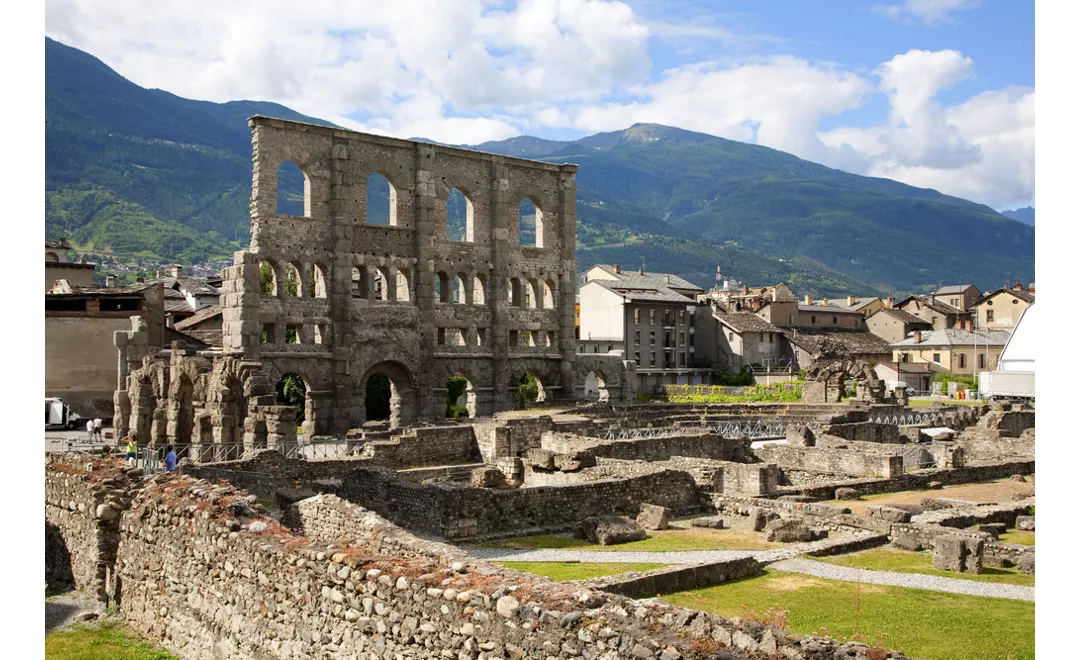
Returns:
<point x="917" y="480"/>
<point x="865" y="431"/>
<point x="833" y="461"/>
<point x="699" y="445"/>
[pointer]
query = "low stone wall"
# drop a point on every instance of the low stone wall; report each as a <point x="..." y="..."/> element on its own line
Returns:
<point x="1008" y="555"/>
<point x="82" y="511"/>
<point x="456" y="511"/>
<point x="426" y="446"/>
<point x="832" y="461"/>
<point x="693" y="444"/>
<point x="967" y="516"/>
<point x="671" y="579"/>
<point x="865" y="432"/>
<point x="917" y="480"/>
<point x="206" y="575"/>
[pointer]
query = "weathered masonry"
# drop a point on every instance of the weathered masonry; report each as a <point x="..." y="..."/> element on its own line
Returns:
<point x="439" y="274"/>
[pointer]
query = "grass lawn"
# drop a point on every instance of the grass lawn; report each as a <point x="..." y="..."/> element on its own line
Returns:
<point x="926" y="403"/>
<point x="1018" y="537"/>
<point x="922" y="624"/>
<point x="903" y="561"/>
<point x="1001" y="490"/>
<point x="564" y="572"/>
<point x="108" y="641"/>
<point x="663" y="540"/>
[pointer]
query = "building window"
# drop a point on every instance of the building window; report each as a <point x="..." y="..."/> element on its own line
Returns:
<point x="731" y="336"/>
<point x="595" y="349"/>
<point x="652" y="360"/>
<point x="813" y="319"/>
<point x="933" y="321"/>
<point x="963" y="361"/>
<point x="637" y="358"/>
<point x="637" y="316"/>
<point x="989" y="316"/>
<point x="937" y="358"/>
<point x="652" y="339"/>
<point x="637" y="337"/>
<point x="761" y="337"/>
<point x="834" y="320"/>
<point x="682" y="359"/>
<point x="770" y="338"/>
<point x="982" y="360"/>
<point x="682" y="316"/>
<point x="904" y="357"/>
<point x="652" y="317"/>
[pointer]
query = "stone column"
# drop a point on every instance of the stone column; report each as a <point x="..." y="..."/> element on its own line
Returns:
<point x="425" y="195"/>
<point x="499" y="301"/>
<point x="568" y="278"/>
<point x="241" y="300"/>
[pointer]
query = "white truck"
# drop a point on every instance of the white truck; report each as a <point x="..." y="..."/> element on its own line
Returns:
<point x="1015" y="376"/>
<point x="59" y="416"/>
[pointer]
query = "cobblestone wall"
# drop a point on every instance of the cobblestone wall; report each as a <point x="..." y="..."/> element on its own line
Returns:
<point x="694" y="444"/>
<point x="208" y="576"/>
<point x="833" y="461"/>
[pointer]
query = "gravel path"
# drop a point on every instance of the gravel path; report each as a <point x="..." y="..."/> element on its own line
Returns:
<point x="610" y="556"/>
<point x="71" y="607"/>
<point x="911" y="580"/>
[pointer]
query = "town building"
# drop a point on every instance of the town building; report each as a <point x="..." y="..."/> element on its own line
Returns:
<point x="959" y="296"/>
<point x="960" y="351"/>
<point x="865" y="306"/>
<point x="58" y="266"/>
<point x="184" y="296"/>
<point x="940" y="315"/>
<point x="894" y="325"/>
<point x="1001" y="309"/>
<point x="650" y="318"/>
<point x="734" y="340"/>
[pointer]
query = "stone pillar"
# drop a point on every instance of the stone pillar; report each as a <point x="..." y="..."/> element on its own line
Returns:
<point x="568" y="277"/>
<point x="424" y="205"/>
<point x="241" y="301"/>
<point x="499" y="301"/>
<point x="280" y="426"/>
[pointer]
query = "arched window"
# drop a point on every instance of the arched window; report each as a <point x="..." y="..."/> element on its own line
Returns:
<point x="359" y="282"/>
<point x="267" y="279"/>
<point x="530" y="224"/>
<point x="292" y="280"/>
<point x="515" y="293"/>
<point x="381" y="201"/>
<point x="293" y="190"/>
<point x="461" y="292"/>
<point x="402" y="276"/>
<point x="479" y="296"/>
<point x="444" y="287"/>
<point x="51" y="256"/>
<point x="549" y="294"/>
<point x="318" y="281"/>
<point x="459" y="217"/>
<point x="383" y="284"/>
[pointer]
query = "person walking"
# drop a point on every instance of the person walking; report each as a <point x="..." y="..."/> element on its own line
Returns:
<point x="170" y="459"/>
<point x="130" y="454"/>
<point x="97" y="427"/>
<point x="89" y="430"/>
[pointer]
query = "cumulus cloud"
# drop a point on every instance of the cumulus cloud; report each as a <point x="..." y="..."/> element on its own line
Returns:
<point x="474" y="70"/>
<point x="930" y="12"/>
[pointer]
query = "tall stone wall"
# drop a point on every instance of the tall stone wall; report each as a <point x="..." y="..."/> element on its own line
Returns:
<point x="693" y="444"/>
<point x="833" y="461"/>
<point x="208" y="576"/>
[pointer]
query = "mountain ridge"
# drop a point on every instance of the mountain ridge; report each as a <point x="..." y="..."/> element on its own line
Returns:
<point x="170" y="177"/>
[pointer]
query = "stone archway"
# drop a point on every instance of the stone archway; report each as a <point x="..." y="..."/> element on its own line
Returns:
<point x="826" y="374"/>
<point x="595" y="387"/>
<point x="401" y="398"/>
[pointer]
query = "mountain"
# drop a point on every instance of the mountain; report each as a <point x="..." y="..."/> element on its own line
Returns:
<point x="1025" y="215"/>
<point x="889" y="235"/>
<point x="143" y="172"/>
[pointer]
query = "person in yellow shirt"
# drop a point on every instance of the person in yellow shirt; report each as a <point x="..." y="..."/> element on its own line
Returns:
<point x="131" y="451"/>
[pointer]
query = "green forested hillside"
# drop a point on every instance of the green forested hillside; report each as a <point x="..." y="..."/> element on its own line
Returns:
<point x="144" y="172"/>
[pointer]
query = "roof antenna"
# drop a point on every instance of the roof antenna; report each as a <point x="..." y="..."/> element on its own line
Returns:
<point x="642" y="271"/>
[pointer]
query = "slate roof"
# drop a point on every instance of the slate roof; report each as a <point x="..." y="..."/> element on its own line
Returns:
<point x="953" y="288"/>
<point x="745" y="322"/>
<point x="199" y="316"/>
<point x="827" y="309"/>
<point x="955" y="337"/>
<point x="648" y="280"/>
<point x="1022" y="295"/>
<point x="858" y="342"/>
<point x="75" y="290"/>
<point x="937" y="306"/>
<point x="644" y="294"/>
<point x="900" y="315"/>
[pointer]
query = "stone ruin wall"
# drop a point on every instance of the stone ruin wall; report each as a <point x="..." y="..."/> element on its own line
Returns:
<point x="410" y="332"/>
<point x="204" y="571"/>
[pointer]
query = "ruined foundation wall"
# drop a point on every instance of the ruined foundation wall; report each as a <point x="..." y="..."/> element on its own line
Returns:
<point x="917" y="480"/>
<point x="699" y="445"/>
<point x="208" y="586"/>
<point x="832" y="461"/>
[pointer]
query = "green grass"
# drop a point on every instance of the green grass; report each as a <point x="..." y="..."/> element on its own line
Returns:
<point x="658" y="541"/>
<point x="922" y="624"/>
<point x="1018" y="537"/>
<point x="564" y="572"/>
<point x="108" y="641"/>
<point x="902" y="561"/>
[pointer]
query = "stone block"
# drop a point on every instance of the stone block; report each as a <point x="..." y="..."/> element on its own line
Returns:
<point x="993" y="529"/>
<point x="959" y="554"/>
<point x="847" y="494"/>
<point x="610" y="530"/>
<point x="934" y="485"/>
<point x="788" y="530"/>
<point x="711" y="522"/>
<point x="652" y="516"/>
<point x="542" y="459"/>
<point x="888" y="513"/>
<point x="1026" y="563"/>
<point x="759" y="518"/>
<point x="578" y="460"/>
<point x="487" y="477"/>
<point x="1026" y="523"/>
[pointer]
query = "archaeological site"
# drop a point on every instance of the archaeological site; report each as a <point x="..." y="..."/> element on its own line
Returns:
<point x="418" y="534"/>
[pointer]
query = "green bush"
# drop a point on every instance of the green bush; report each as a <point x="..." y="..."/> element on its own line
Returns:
<point x="455" y="387"/>
<point x="744" y="377"/>
<point x="528" y="390"/>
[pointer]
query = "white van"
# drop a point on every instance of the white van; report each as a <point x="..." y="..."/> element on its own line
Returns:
<point x="892" y="385"/>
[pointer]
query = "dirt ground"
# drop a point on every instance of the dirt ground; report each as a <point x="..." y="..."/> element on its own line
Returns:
<point x="983" y="493"/>
<point x="61" y="610"/>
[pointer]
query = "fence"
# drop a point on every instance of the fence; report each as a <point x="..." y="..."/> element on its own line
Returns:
<point x="151" y="458"/>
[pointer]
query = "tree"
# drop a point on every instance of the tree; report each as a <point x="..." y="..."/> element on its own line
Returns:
<point x="455" y="387"/>
<point x="291" y="391"/>
<point x="266" y="279"/>
<point x="528" y="390"/>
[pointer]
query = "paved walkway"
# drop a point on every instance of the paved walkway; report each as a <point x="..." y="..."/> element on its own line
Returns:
<point x="911" y="580"/>
<point x="610" y="556"/>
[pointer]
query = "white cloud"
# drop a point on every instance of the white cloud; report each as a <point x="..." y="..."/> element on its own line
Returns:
<point x="982" y="149"/>
<point x="930" y="12"/>
<point x="474" y="70"/>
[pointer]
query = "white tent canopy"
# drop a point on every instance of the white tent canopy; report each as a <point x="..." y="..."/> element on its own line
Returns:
<point x="1019" y="352"/>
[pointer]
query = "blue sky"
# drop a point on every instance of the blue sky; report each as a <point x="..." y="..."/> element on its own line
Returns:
<point x="935" y="93"/>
